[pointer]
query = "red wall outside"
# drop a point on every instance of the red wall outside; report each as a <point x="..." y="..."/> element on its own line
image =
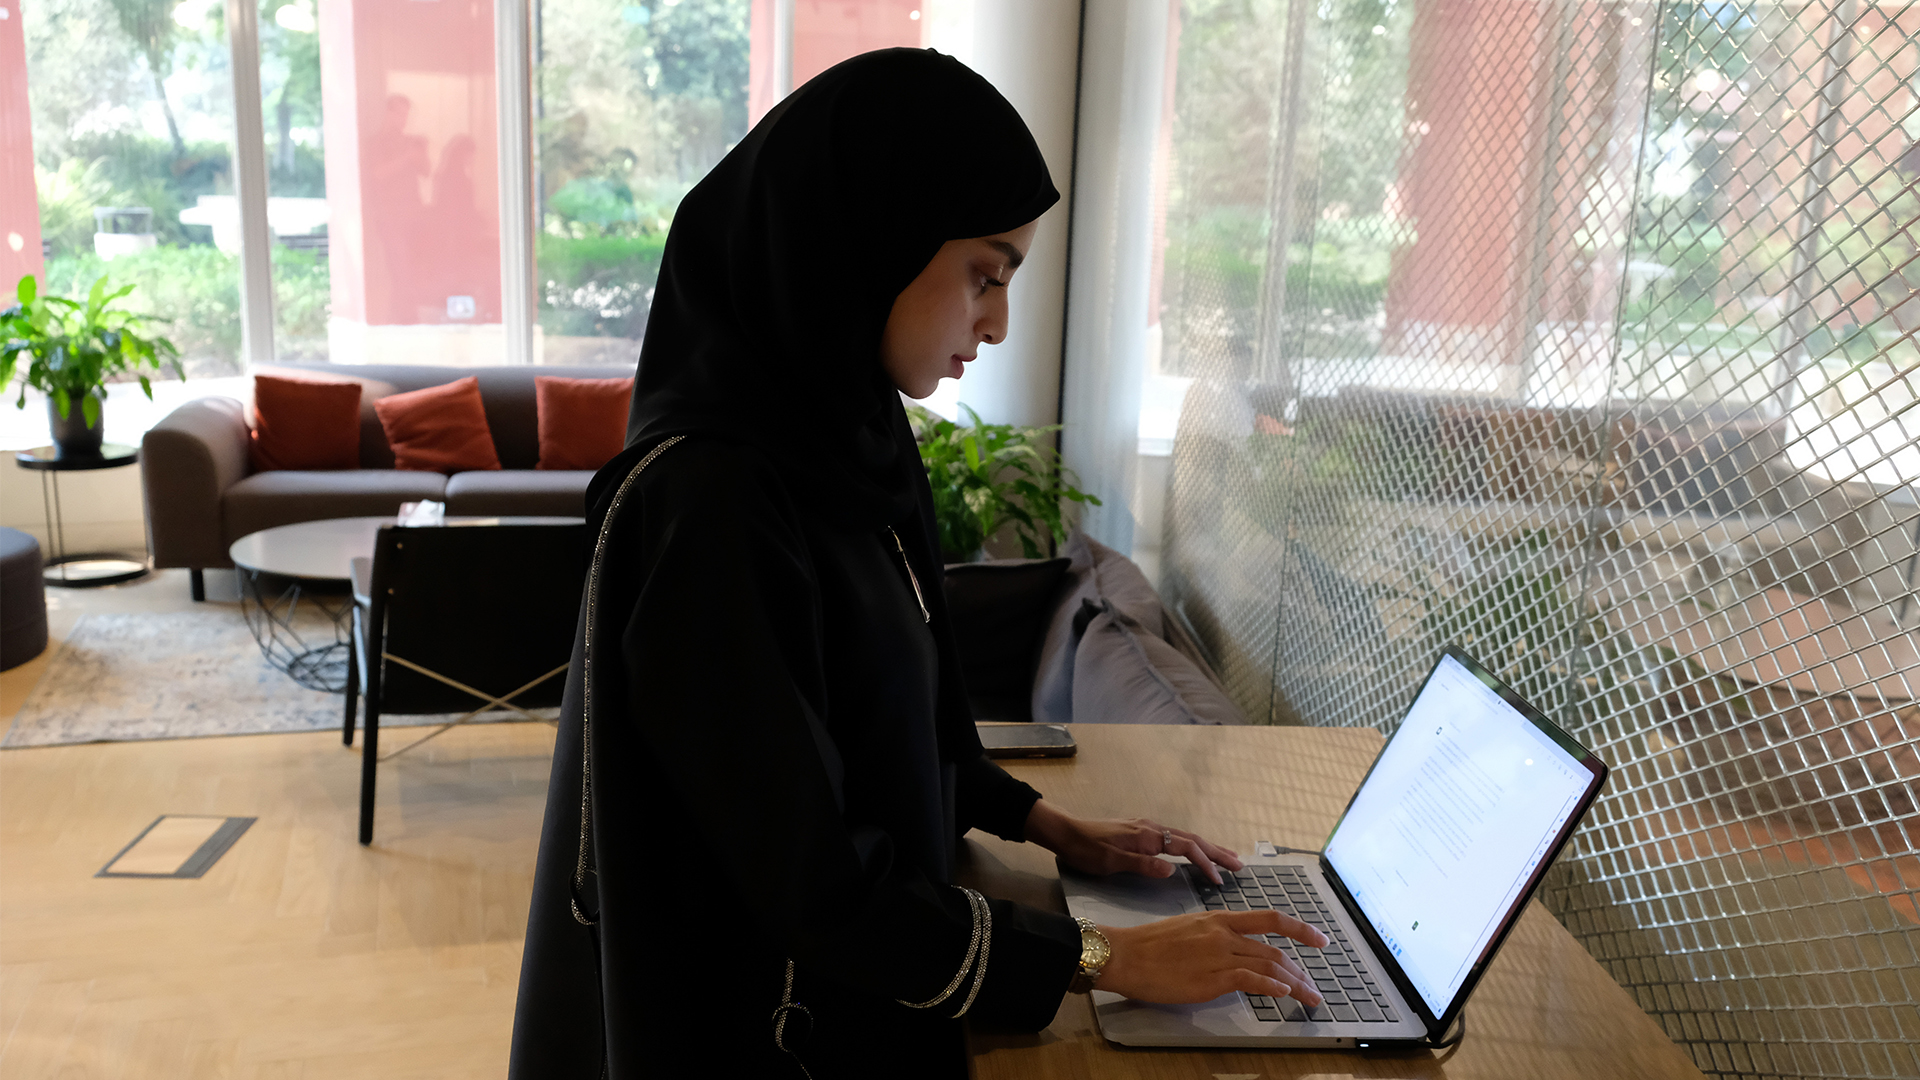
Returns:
<point x="19" y="204"/>
<point x="825" y="32"/>
<point x="412" y="170"/>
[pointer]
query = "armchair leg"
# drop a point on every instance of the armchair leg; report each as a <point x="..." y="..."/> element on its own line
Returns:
<point x="369" y="762"/>
<point x="198" y="580"/>
<point x="353" y="693"/>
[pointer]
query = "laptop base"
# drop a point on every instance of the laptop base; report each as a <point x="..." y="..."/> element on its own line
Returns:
<point x="1229" y="1020"/>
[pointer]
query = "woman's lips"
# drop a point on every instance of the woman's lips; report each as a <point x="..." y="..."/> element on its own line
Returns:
<point x="957" y="365"/>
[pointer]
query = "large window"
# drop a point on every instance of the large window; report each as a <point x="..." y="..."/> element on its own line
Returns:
<point x="634" y="102"/>
<point x="1582" y="335"/>
<point x="132" y="113"/>
<point x="381" y="132"/>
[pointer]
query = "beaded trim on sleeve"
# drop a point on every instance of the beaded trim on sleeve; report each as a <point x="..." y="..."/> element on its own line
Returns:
<point x="977" y="949"/>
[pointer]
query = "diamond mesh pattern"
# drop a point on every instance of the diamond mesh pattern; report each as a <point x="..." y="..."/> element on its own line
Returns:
<point x="1584" y="335"/>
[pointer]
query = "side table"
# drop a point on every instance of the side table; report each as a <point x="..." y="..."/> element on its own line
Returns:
<point x="85" y="570"/>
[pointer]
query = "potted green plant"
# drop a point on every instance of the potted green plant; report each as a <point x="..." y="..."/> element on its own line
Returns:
<point x="988" y="475"/>
<point x="72" y="348"/>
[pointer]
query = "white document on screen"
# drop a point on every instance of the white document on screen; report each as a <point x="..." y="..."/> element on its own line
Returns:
<point x="1458" y="812"/>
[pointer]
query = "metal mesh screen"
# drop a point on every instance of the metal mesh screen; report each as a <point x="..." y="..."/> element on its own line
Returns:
<point x="1583" y="334"/>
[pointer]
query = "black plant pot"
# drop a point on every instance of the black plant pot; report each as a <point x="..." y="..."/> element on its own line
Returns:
<point x="71" y="434"/>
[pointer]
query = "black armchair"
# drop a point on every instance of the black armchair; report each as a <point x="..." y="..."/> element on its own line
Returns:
<point x="464" y="616"/>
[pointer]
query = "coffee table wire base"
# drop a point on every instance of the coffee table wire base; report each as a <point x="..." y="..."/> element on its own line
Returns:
<point x="273" y="606"/>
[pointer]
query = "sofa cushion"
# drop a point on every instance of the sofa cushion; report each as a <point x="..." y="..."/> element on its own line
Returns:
<point x="374" y="451"/>
<point x="305" y="423"/>
<point x="1095" y="572"/>
<point x="284" y="497"/>
<point x="1125" y="674"/>
<point x="583" y="422"/>
<point x="1121" y="580"/>
<point x="1098" y="574"/>
<point x="439" y="428"/>
<point x="1000" y="610"/>
<point x="1052" y="698"/>
<point x="518" y="492"/>
<point x="507" y="391"/>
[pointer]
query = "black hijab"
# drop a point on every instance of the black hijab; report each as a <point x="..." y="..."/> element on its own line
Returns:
<point x="784" y="262"/>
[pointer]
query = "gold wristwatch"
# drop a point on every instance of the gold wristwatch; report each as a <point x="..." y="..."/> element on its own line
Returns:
<point x="1095" y="950"/>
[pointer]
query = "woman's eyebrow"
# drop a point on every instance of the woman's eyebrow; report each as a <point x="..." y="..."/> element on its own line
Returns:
<point x="1014" y="258"/>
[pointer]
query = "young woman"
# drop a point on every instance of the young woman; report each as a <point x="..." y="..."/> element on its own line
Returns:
<point x="766" y="758"/>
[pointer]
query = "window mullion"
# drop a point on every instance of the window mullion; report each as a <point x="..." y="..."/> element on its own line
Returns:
<point x="250" y="185"/>
<point x="513" y="77"/>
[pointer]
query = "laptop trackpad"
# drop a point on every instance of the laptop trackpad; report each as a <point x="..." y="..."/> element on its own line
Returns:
<point x="1128" y="899"/>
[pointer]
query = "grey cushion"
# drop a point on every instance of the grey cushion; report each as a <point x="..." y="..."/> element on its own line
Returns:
<point x="508" y="492"/>
<point x="1125" y="674"/>
<point x="267" y="499"/>
<point x="1053" y="676"/>
<point x="1108" y="580"/>
<point x="1095" y="572"/>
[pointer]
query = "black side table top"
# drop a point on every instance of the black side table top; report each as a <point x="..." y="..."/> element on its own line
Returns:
<point x="49" y="458"/>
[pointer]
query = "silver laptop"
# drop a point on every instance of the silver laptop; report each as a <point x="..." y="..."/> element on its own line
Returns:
<point x="1425" y="873"/>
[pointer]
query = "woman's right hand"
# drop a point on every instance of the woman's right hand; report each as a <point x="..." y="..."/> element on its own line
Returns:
<point x="1193" y="958"/>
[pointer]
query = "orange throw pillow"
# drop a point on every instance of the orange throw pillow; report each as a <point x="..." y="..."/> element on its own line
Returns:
<point x="583" y="422"/>
<point x="305" y="423"/>
<point x="439" y="429"/>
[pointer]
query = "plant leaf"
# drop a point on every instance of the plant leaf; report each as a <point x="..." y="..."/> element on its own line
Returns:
<point x="90" y="408"/>
<point x="28" y="288"/>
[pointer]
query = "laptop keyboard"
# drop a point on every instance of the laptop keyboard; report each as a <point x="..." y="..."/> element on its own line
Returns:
<point x="1353" y="993"/>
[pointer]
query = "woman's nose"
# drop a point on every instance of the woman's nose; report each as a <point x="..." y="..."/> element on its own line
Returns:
<point x="993" y="328"/>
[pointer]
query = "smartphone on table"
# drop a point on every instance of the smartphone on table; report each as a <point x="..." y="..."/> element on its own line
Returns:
<point x="1026" y="740"/>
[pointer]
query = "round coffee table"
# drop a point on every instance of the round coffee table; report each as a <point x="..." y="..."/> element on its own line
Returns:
<point x="290" y="570"/>
<point x="65" y="569"/>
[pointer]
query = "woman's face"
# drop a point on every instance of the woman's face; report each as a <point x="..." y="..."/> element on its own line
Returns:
<point x="957" y="303"/>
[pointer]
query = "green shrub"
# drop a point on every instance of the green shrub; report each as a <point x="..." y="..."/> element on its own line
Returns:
<point x="302" y="301"/>
<point x="127" y="169"/>
<point x="194" y="291"/>
<point x="597" y="286"/>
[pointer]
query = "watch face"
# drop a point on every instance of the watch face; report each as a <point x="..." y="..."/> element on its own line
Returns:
<point x="1094" y="949"/>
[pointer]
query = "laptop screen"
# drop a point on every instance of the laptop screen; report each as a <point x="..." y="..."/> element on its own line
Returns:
<point x="1464" y="802"/>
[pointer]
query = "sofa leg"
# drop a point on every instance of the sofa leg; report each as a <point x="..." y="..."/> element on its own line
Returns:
<point x="198" y="580"/>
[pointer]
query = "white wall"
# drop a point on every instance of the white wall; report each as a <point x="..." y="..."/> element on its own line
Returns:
<point x="101" y="510"/>
<point x="1029" y="51"/>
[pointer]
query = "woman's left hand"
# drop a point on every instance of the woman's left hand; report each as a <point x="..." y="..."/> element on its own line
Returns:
<point x="1102" y="846"/>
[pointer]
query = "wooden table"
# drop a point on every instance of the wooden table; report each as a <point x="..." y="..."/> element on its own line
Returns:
<point x="1544" y="1009"/>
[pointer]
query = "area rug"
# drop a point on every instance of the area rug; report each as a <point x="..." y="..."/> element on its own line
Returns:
<point x="125" y="678"/>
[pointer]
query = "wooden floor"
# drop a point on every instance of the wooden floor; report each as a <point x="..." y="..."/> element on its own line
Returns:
<point x="300" y="953"/>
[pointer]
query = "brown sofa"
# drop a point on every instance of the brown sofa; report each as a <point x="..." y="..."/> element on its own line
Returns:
<point x="202" y="493"/>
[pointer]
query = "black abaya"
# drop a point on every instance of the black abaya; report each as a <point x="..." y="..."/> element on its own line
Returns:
<point x="782" y="758"/>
